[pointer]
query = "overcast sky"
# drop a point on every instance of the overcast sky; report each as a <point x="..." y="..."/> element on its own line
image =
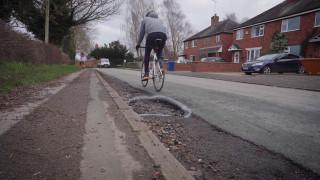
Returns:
<point x="198" y="12"/>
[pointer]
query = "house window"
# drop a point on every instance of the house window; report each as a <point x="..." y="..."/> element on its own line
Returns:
<point x="206" y="41"/>
<point x="217" y="38"/>
<point x="239" y="34"/>
<point x="291" y="24"/>
<point x="295" y="49"/>
<point x="253" y="54"/>
<point x="193" y="58"/>
<point x="187" y="45"/>
<point x="194" y="43"/>
<point x="317" y="23"/>
<point x="257" y="31"/>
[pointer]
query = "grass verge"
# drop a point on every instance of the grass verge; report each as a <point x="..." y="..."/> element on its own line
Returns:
<point x="13" y="75"/>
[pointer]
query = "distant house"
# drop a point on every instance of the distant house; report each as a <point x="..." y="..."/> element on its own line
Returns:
<point x="213" y="41"/>
<point x="298" y="19"/>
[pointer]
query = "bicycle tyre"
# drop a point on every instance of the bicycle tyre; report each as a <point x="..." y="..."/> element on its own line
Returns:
<point x="158" y="78"/>
<point x="144" y="83"/>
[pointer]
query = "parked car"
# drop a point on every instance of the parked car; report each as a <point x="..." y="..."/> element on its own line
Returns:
<point x="181" y="61"/>
<point x="104" y="63"/>
<point x="212" y="59"/>
<point x="279" y="63"/>
<point x="165" y="61"/>
<point x="188" y="61"/>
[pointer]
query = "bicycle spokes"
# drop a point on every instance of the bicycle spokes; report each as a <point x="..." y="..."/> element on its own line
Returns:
<point x="158" y="77"/>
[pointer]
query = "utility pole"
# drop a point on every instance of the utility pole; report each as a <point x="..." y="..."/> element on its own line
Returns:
<point x="46" y="38"/>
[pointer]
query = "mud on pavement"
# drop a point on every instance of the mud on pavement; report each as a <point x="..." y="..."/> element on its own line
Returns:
<point x="206" y="151"/>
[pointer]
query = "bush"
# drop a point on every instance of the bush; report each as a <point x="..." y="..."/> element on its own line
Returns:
<point x="17" y="47"/>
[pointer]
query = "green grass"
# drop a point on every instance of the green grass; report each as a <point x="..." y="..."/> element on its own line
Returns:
<point x="13" y="75"/>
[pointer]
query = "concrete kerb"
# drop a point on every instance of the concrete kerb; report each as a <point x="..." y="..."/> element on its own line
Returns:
<point x="170" y="166"/>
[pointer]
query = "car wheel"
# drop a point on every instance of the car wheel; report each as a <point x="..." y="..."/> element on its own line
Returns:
<point x="266" y="70"/>
<point x="301" y="70"/>
<point x="248" y="73"/>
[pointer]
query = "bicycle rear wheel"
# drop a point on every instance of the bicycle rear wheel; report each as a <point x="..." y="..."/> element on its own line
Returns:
<point x="144" y="83"/>
<point x="158" y="77"/>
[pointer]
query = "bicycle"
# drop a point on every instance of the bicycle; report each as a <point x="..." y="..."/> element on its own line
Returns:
<point x="156" y="71"/>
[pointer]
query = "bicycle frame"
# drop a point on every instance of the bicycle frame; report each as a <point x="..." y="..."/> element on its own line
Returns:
<point x="155" y="72"/>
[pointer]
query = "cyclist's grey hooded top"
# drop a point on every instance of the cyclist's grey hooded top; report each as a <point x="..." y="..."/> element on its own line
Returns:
<point x="151" y="24"/>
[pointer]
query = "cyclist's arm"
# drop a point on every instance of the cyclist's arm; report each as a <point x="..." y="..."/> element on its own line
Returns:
<point x="142" y="31"/>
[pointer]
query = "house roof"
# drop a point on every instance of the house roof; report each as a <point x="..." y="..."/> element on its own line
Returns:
<point x="225" y="26"/>
<point x="235" y="47"/>
<point x="315" y="38"/>
<point x="283" y="10"/>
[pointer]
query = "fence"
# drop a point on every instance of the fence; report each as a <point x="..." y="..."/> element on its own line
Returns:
<point x="17" y="47"/>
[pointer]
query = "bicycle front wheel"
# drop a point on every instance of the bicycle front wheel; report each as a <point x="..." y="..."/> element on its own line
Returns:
<point x="144" y="83"/>
<point x="158" y="78"/>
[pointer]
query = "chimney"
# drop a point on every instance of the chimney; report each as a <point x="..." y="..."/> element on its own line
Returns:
<point x="96" y="46"/>
<point x="214" y="20"/>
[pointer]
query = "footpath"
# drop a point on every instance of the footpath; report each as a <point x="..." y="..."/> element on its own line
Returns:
<point x="80" y="128"/>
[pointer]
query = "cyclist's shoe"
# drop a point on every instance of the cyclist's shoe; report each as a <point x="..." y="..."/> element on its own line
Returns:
<point x="161" y="65"/>
<point x="145" y="77"/>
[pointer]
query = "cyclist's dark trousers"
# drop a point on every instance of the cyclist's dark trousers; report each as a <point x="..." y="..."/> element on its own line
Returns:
<point x="149" y="45"/>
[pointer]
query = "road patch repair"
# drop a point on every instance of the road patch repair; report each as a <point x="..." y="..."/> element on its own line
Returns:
<point x="158" y="98"/>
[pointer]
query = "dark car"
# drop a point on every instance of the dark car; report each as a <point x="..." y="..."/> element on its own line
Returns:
<point x="212" y="59"/>
<point x="279" y="63"/>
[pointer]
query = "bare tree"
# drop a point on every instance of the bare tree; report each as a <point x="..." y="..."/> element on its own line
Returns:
<point x="93" y="10"/>
<point x="178" y="28"/>
<point x="136" y="11"/>
<point x="231" y="16"/>
<point x="244" y="19"/>
<point x="84" y="36"/>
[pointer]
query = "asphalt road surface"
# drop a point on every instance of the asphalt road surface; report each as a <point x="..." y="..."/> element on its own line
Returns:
<point x="282" y="120"/>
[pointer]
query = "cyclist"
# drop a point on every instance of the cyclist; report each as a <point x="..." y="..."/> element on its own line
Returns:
<point x="154" y="29"/>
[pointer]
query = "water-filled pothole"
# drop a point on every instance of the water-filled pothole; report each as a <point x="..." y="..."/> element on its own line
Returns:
<point x="159" y="106"/>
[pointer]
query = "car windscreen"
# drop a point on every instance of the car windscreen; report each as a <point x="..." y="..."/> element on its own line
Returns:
<point x="267" y="57"/>
<point x="104" y="60"/>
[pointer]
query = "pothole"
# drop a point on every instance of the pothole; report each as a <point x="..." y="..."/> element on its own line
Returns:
<point x="159" y="106"/>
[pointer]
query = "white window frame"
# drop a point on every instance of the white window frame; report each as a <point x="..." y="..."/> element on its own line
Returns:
<point x="193" y="58"/>
<point x="253" y="53"/>
<point x="217" y="38"/>
<point x="194" y="43"/>
<point x="315" y="19"/>
<point x="187" y="45"/>
<point x="206" y="41"/>
<point x="239" y="34"/>
<point x="287" y="49"/>
<point x="286" y="24"/>
<point x="261" y="31"/>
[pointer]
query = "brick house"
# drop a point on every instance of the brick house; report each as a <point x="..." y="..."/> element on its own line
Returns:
<point x="213" y="41"/>
<point x="298" y="19"/>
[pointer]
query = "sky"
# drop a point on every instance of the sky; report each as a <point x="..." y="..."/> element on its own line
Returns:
<point x="198" y="12"/>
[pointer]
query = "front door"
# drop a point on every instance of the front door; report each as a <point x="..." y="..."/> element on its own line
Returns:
<point x="236" y="57"/>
